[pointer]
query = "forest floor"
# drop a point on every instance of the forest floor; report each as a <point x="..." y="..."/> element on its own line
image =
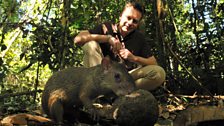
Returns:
<point x="174" y="110"/>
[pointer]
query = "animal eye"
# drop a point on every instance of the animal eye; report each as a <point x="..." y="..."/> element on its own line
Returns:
<point x="117" y="77"/>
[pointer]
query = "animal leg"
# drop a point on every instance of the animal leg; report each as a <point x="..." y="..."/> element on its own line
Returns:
<point x="57" y="111"/>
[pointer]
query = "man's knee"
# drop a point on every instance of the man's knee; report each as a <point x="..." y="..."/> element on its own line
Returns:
<point x="158" y="73"/>
<point x="91" y="47"/>
<point x="92" y="54"/>
<point x="149" y="77"/>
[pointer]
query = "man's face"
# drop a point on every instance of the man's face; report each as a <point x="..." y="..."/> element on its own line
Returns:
<point x="129" y="20"/>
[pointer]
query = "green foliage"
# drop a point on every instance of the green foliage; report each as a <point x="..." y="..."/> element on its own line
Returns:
<point x="198" y="40"/>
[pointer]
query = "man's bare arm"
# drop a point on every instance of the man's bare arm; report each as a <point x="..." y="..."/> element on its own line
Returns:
<point x="84" y="37"/>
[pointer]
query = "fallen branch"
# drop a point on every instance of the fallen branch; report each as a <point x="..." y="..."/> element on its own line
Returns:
<point x="195" y="114"/>
<point x="23" y="119"/>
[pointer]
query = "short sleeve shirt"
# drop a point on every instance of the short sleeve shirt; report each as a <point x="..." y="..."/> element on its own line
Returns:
<point x="135" y="42"/>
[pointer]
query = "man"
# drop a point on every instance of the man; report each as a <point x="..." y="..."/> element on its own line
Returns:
<point x="123" y="42"/>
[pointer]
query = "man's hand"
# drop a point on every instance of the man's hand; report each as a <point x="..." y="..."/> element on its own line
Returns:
<point x="115" y="43"/>
<point x="126" y="54"/>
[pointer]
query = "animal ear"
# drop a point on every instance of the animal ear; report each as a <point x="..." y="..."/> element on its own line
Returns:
<point x="106" y="63"/>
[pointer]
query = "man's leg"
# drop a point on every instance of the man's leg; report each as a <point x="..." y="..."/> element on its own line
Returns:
<point x="92" y="54"/>
<point x="148" y="77"/>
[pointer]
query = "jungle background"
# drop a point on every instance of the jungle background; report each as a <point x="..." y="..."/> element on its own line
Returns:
<point x="36" y="39"/>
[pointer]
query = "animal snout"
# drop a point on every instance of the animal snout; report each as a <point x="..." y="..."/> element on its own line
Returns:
<point x="126" y="88"/>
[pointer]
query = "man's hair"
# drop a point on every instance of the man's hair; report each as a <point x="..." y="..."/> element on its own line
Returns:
<point x="136" y="6"/>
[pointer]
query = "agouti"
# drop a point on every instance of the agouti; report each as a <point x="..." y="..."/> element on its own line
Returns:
<point x="76" y="87"/>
